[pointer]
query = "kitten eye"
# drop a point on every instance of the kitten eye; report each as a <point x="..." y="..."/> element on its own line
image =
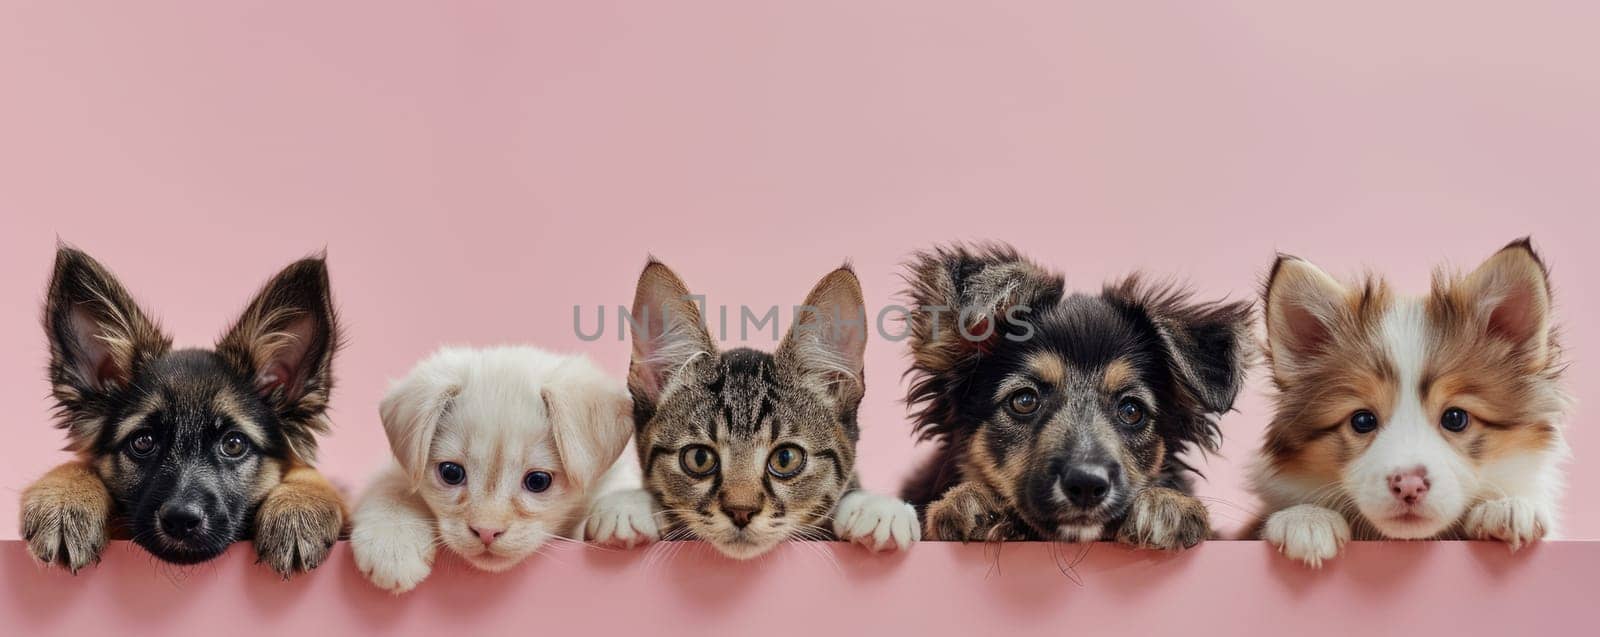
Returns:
<point x="536" y="481"/>
<point x="142" y="444"/>
<point x="1455" y="419"/>
<point x="1023" y="402"/>
<point x="1131" y="412"/>
<point x="452" y="473"/>
<point x="1363" y="421"/>
<point x="698" y="460"/>
<point x="234" y="446"/>
<point x="786" y="461"/>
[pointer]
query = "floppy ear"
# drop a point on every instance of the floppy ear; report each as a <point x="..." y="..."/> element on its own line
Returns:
<point x="98" y="339"/>
<point x="828" y="339"/>
<point x="413" y="407"/>
<point x="668" y="333"/>
<point x="286" y="341"/>
<point x="1305" y="308"/>
<point x="962" y="300"/>
<point x="589" y="418"/>
<point x="1510" y="293"/>
<point x="1208" y="347"/>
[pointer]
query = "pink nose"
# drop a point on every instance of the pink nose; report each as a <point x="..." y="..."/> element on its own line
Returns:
<point x="487" y="535"/>
<point x="1410" y="485"/>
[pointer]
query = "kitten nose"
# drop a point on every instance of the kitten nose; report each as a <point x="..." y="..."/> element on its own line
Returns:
<point x="1409" y="486"/>
<point x="740" y="514"/>
<point x="180" y="521"/>
<point x="487" y="534"/>
<point x="1085" y="489"/>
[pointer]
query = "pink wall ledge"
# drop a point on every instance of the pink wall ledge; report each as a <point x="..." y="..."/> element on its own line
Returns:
<point x="824" y="589"/>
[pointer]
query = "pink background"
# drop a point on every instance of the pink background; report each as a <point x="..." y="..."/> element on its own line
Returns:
<point x="475" y="169"/>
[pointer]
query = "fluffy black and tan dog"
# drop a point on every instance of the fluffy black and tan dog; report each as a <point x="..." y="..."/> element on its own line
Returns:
<point x="186" y="451"/>
<point x="1063" y="417"/>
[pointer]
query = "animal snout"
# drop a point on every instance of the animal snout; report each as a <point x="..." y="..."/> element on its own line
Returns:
<point x="741" y="513"/>
<point x="1086" y="487"/>
<point x="181" y="520"/>
<point x="487" y="534"/>
<point x="1409" y="486"/>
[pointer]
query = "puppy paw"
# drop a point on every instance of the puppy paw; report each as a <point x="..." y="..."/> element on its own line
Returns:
<point x="391" y="558"/>
<point x="1515" y="521"/>
<point x="967" y="514"/>
<point x="1165" y="519"/>
<point x="624" y="518"/>
<point x="876" y="521"/>
<point x="64" y="517"/>
<point x="296" y="527"/>
<point x="1307" y="533"/>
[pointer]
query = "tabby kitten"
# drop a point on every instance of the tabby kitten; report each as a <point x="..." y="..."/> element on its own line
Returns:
<point x="745" y="449"/>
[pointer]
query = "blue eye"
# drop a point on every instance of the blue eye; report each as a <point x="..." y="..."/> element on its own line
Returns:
<point x="1363" y="421"/>
<point x="1455" y="419"/>
<point x="536" y="481"/>
<point x="452" y="473"/>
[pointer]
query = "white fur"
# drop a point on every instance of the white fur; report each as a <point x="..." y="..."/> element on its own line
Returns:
<point x="877" y="522"/>
<point x="500" y="413"/>
<point x="1308" y="533"/>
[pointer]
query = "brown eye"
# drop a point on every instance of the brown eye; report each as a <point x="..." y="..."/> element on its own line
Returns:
<point x="1023" y="402"/>
<point x="698" y="460"/>
<point x="786" y="461"/>
<point x="1130" y="412"/>
<point x="142" y="445"/>
<point x="235" y="446"/>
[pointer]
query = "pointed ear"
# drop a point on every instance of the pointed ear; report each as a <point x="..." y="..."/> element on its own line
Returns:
<point x="1304" y="308"/>
<point x="668" y="333"/>
<point x="98" y="339"/>
<point x="828" y="339"/>
<point x="590" y="419"/>
<point x="286" y="341"/>
<point x="1208" y="344"/>
<point x="412" y="408"/>
<point x="1511" y="295"/>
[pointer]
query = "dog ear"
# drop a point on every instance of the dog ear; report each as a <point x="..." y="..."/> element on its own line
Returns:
<point x="1207" y="345"/>
<point x="668" y="333"/>
<point x="828" y="339"/>
<point x="962" y="300"/>
<point x="589" y="418"/>
<point x="1305" y="310"/>
<point x="285" y="341"/>
<point x="98" y="340"/>
<point x="412" y="408"/>
<point x="1509" y="295"/>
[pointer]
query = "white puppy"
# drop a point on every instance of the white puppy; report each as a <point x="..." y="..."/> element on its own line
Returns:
<point x="499" y="450"/>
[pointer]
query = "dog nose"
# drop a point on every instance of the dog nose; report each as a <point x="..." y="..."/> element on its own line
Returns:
<point x="741" y="514"/>
<point x="1085" y="489"/>
<point x="1409" y="486"/>
<point x="487" y="534"/>
<point x="180" y="521"/>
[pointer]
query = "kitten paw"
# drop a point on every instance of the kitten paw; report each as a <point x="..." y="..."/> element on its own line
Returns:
<point x="624" y="518"/>
<point x="393" y="561"/>
<point x="296" y="528"/>
<point x="64" y="521"/>
<point x="1307" y="533"/>
<point x="875" y="521"/>
<point x="1165" y="519"/>
<point x="1515" y="521"/>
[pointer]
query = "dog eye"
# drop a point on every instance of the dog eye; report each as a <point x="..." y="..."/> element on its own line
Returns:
<point x="234" y="446"/>
<point x="1363" y="421"/>
<point x="142" y="445"/>
<point x="452" y="473"/>
<point x="1130" y="412"/>
<point x="786" y="461"/>
<point x="1455" y="419"/>
<point x="1023" y="402"/>
<point x="536" y="481"/>
<point x="698" y="460"/>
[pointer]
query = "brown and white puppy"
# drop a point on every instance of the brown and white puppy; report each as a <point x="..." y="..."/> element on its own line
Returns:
<point x="1063" y="417"/>
<point x="1411" y="418"/>
<point x="188" y="450"/>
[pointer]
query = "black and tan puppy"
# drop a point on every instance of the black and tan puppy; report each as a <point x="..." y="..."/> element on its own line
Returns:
<point x="186" y="451"/>
<point x="1063" y="417"/>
